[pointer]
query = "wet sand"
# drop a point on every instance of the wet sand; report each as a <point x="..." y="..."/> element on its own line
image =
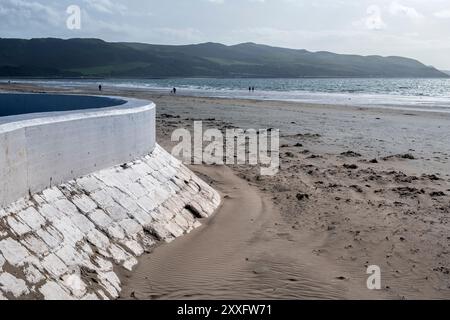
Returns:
<point x="357" y="187"/>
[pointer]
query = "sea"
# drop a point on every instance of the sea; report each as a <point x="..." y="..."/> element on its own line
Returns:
<point x="431" y="95"/>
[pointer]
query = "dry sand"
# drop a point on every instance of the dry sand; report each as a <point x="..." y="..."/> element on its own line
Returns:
<point x="357" y="187"/>
<point x="246" y="251"/>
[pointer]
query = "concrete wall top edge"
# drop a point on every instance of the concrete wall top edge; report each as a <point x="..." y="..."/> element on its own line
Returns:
<point x="21" y="104"/>
<point x="123" y="106"/>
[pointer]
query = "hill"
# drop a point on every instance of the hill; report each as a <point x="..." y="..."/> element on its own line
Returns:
<point x="96" y="58"/>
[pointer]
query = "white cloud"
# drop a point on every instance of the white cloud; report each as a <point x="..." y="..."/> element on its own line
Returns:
<point x="445" y="14"/>
<point x="398" y="9"/>
<point x="13" y="13"/>
<point x="106" y="6"/>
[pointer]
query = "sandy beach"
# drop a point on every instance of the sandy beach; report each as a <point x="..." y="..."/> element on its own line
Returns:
<point x="357" y="187"/>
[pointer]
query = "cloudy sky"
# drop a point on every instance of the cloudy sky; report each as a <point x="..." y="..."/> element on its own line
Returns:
<point x="414" y="28"/>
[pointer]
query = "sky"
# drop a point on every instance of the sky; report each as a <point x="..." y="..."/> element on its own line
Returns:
<point x="418" y="29"/>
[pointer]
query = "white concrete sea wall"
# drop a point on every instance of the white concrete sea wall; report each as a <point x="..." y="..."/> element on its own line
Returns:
<point x="64" y="242"/>
<point x="43" y="150"/>
<point x="84" y="193"/>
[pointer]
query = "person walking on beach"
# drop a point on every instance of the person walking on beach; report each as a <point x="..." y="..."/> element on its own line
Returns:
<point x="100" y="87"/>
<point x="174" y="90"/>
<point x="249" y="89"/>
<point x="253" y="89"/>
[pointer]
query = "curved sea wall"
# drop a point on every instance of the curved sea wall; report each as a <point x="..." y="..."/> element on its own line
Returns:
<point x="43" y="149"/>
<point x="97" y="193"/>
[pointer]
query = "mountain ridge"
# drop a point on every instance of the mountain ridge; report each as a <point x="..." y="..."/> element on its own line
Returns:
<point x="90" y="57"/>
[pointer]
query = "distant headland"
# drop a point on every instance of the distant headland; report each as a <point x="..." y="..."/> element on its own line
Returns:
<point x="80" y="58"/>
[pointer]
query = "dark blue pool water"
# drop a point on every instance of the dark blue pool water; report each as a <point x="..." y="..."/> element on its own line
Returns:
<point x="21" y="104"/>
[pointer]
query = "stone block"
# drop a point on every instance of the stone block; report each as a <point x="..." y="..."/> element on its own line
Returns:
<point x="35" y="245"/>
<point x="12" y="285"/>
<point x="54" y="265"/>
<point x="90" y="297"/>
<point x="50" y="236"/>
<point x="52" y="195"/>
<point x="50" y="213"/>
<point x="82" y="223"/>
<point x="118" y="254"/>
<point x="71" y="233"/>
<point x="33" y="275"/>
<point x="131" y="227"/>
<point x="84" y="203"/>
<point x="66" y="207"/>
<point x="116" y="232"/>
<point x="71" y="256"/>
<point x="102" y="198"/>
<point x="134" y="247"/>
<point x="101" y="219"/>
<point x="130" y="263"/>
<point x="103" y="265"/>
<point x="142" y="217"/>
<point x="174" y="229"/>
<point x="17" y="226"/>
<point x="117" y="212"/>
<point x="89" y="184"/>
<point x="32" y="218"/>
<point x="99" y="240"/>
<point x="112" y="278"/>
<point x="76" y="286"/>
<point x="53" y="291"/>
<point x="13" y="252"/>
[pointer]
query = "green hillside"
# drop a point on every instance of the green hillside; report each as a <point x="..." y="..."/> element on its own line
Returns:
<point x="97" y="58"/>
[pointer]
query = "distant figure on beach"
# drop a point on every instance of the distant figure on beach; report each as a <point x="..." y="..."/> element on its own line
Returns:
<point x="99" y="87"/>
<point x="249" y="89"/>
<point x="253" y="89"/>
<point x="174" y="91"/>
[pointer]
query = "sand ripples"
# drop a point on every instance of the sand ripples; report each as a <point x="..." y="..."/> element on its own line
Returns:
<point x="237" y="255"/>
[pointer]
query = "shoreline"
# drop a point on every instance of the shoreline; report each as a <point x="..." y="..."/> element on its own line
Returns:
<point x="155" y="92"/>
<point x="393" y="212"/>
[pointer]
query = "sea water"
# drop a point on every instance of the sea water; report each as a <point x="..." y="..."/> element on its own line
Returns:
<point x="421" y="94"/>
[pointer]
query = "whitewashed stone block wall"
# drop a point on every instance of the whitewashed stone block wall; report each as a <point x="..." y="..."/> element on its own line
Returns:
<point x="64" y="242"/>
